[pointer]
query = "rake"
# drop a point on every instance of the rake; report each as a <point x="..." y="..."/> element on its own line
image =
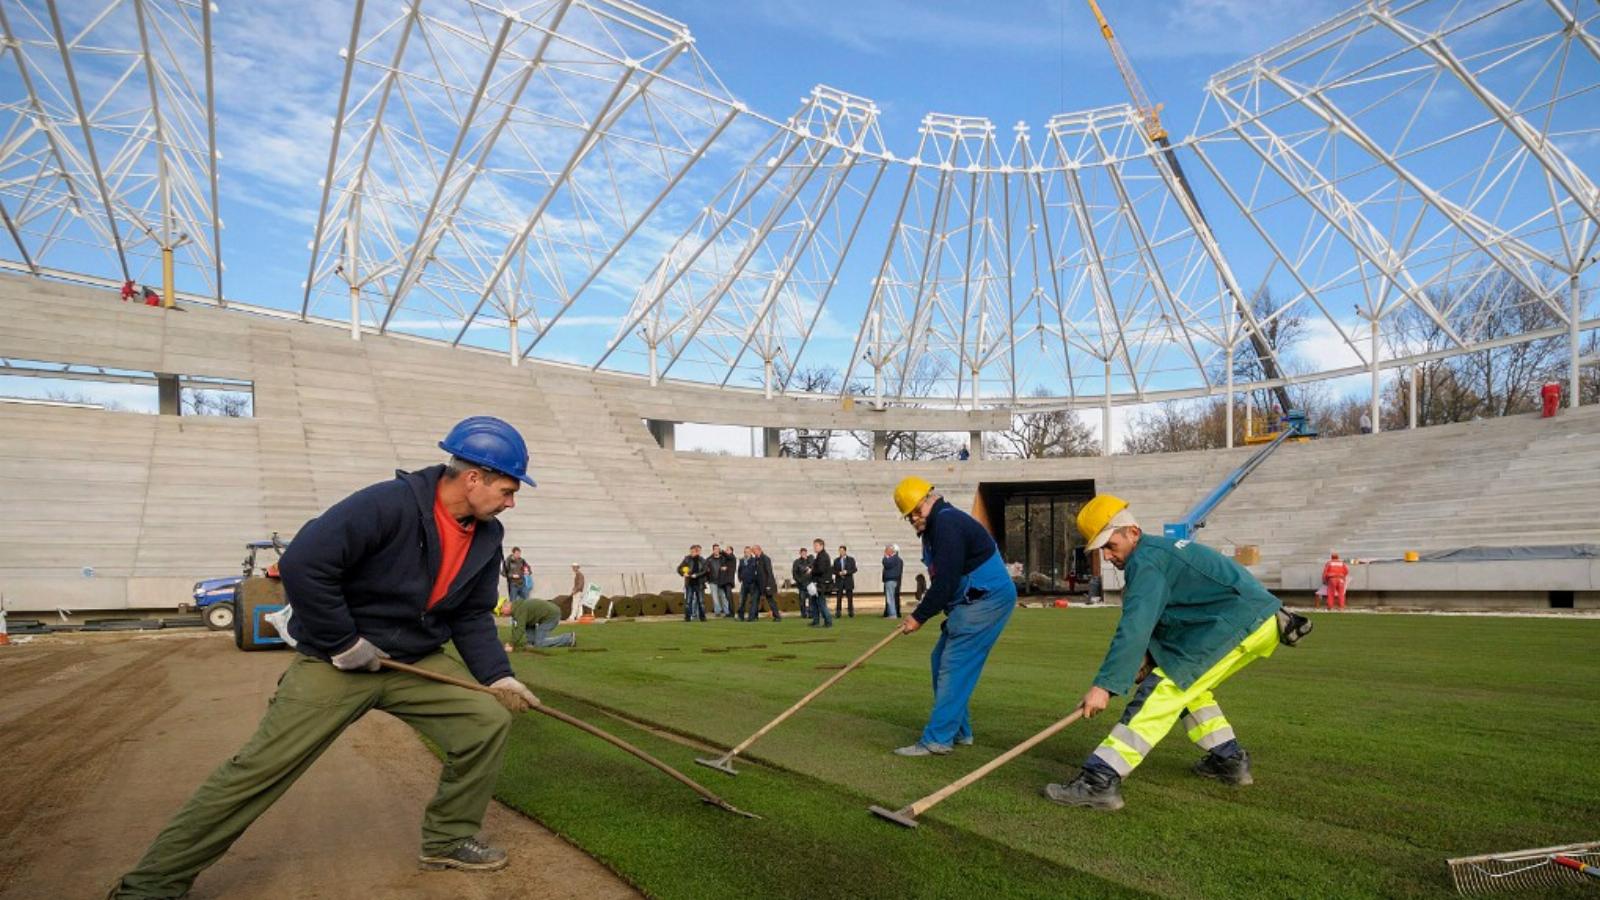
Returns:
<point x="906" y="816"/>
<point x="1526" y="870"/>
<point x="724" y="763"/>
<point x="705" y="795"/>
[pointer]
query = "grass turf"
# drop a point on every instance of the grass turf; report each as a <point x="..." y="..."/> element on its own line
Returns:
<point x="1381" y="746"/>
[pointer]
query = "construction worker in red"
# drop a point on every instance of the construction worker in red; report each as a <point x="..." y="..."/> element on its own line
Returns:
<point x="1334" y="575"/>
<point x="1551" y="395"/>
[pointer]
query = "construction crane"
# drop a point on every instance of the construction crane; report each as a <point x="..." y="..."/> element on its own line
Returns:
<point x="1150" y="118"/>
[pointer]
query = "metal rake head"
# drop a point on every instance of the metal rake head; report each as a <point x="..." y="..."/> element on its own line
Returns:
<point x="1520" y="870"/>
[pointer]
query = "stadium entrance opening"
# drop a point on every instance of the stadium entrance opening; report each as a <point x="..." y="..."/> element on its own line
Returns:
<point x="1034" y="522"/>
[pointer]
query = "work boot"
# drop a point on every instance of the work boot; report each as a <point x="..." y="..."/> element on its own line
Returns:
<point x="1226" y="769"/>
<point x="470" y="855"/>
<point x="921" y="749"/>
<point x="1096" y="790"/>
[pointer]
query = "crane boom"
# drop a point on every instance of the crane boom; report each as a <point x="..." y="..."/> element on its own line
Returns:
<point x="1150" y="113"/>
<point x="1150" y="117"/>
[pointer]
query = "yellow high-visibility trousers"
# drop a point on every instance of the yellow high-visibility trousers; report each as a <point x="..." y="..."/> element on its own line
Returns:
<point x="1158" y="703"/>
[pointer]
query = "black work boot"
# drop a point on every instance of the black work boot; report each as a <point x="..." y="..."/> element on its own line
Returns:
<point x="470" y="855"/>
<point x="1094" y="789"/>
<point x="1226" y="769"/>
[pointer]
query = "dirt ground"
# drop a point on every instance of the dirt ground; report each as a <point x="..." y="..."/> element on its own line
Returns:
<point x="102" y="738"/>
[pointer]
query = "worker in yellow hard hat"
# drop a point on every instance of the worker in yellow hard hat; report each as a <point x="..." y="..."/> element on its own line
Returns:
<point x="1191" y="618"/>
<point x="971" y="586"/>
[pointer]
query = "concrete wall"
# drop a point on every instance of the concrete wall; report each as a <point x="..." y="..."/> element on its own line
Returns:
<point x="153" y="503"/>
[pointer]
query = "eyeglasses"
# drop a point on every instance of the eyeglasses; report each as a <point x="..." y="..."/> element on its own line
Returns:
<point x="916" y="510"/>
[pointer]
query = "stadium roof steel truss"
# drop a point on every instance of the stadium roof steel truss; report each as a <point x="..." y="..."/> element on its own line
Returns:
<point x="108" y="149"/>
<point x="1412" y="171"/>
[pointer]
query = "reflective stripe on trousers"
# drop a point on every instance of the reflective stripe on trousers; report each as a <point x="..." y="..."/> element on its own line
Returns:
<point x="1159" y="703"/>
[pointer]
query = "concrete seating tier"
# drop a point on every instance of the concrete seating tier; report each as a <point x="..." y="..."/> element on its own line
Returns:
<point x="153" y="503"/>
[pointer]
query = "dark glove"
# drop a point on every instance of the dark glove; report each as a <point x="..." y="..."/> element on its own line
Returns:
<point x="362" y="656"/>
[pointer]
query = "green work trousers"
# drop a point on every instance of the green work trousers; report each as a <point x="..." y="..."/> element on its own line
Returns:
<point x="315" y="702"/>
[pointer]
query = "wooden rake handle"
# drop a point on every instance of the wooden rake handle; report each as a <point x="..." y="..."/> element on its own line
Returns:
<point x="798" y="704"/>
<point x="928" y="802"/>
<point x="575" y="722"/>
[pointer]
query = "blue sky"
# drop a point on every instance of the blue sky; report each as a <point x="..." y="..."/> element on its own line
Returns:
<point x="1011" y="60"/>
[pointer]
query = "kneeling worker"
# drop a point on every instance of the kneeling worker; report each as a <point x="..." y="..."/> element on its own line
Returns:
<point x="392" y="571"/>
<point x="974" y="591"/>
<point x="540" y="617"/>
<point x="1191" y="618"/>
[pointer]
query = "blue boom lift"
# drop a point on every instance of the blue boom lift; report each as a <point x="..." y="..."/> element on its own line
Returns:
<point x="1294" y="426"/>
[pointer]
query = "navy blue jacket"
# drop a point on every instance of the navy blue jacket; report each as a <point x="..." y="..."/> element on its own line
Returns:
<point x="749" y="570"/>
<point x="893" y="567"/>
<point x="365" y="568"/>
<point x="954" y="545"/>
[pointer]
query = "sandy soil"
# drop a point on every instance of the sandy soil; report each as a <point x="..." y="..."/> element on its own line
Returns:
<point x="102" y="737"/>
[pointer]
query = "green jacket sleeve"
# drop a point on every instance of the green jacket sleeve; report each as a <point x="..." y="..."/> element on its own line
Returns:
<point x="1144" y="598"/>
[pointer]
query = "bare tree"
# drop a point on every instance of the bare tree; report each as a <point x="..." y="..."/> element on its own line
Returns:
<point x="914" y="444"/>
<point x="60" y="396"/>
<point x="1497" y="382"/>
<point x="1280" y="330"/>
<point x="1176" y="426"/>
<point x="808" y="443"/>
<point x="229" y="404"/>
<point x="1036" y="435"/>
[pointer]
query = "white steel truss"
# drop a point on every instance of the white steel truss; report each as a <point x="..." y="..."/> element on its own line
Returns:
<point x="501" y="175"/>
<point x="108" y="148"/>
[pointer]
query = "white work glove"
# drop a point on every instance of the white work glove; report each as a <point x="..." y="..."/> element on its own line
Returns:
<point x="514" y="695"/>
<point x="363" y="655"/>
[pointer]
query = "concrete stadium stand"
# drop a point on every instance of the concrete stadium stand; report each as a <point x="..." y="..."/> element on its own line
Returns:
<point x="154" y="503"/>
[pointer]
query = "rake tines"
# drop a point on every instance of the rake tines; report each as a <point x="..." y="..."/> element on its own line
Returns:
<point x="1521" y="870"/>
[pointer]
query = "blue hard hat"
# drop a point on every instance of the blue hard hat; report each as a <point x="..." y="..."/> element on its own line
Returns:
<point x="489" y="442"/>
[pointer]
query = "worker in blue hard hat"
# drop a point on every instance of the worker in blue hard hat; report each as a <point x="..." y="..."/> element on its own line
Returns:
<point x="1191" y="618"/>
<point x="394" y="571"/>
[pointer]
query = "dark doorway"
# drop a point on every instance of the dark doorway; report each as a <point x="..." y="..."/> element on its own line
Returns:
<point x="1034" y="522"/>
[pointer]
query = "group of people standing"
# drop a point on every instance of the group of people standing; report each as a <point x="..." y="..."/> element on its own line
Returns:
<point x="716" y="574"/>
<point x="814" y="573"/>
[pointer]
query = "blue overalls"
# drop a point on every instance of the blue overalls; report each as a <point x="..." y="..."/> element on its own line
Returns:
<point x="984" y="600"/>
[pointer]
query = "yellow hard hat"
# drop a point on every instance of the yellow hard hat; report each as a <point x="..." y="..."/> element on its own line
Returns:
<point x="909" y="492"/>
<point x="1097" y="514"/>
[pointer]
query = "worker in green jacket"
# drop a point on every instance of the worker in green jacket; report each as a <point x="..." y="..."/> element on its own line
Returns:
<point x="1191" y="618"/>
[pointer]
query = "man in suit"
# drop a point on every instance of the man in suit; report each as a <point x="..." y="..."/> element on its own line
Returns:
<point x="844" y="582"/>
<point x="893" y="569"/>
<point x="767" y="582"/>
<point x="749" y="604"/>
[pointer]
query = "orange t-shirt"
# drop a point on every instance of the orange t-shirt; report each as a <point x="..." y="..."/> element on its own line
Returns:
<point x="454" y="539"/>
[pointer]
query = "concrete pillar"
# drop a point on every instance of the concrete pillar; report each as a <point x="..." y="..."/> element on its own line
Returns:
<point x="1377" y="396"/>
<point x="1411" y="415"/>
<point x="1228" y="423"/>
<point x="880" y="445"/>
<point x="1105" y="416"/>
<point x="167" y="395"/>
<point x="1574" y="314"/>
<point x="975" y="444"/>
<point x="664" y="432"/>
